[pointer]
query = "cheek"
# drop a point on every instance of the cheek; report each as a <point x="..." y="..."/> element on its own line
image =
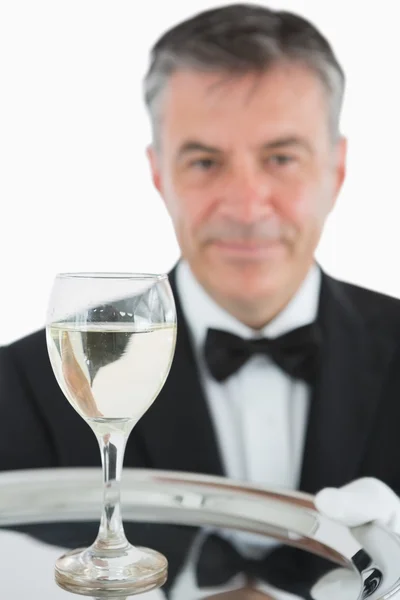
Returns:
<point x="189" y="213"/>
<point x="306" y="207"/>
<point x="189" y="207"/>
<point x="174" y="203"/>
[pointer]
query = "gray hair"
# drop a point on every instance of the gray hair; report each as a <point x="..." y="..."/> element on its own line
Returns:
<point x="238" y="39"/>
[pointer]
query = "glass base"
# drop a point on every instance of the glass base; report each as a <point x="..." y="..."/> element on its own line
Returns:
<point x="90" y="573"/>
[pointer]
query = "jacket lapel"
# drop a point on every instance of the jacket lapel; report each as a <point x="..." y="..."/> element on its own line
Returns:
<point x="177" y="429"/>
<point x="355" y="354"/>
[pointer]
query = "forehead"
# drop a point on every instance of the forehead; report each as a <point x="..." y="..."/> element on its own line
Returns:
<point x="287" y="99"/>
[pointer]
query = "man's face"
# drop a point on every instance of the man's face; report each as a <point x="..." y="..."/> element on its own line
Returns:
<point x="249" y="172"/>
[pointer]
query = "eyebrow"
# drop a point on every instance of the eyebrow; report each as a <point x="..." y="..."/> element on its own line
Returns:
<point x="284" y="142"/>
<point x="288" y="141"/>
<point x="194" y="146"/>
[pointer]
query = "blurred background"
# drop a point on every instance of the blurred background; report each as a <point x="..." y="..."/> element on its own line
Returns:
<point x="75" y="187"/>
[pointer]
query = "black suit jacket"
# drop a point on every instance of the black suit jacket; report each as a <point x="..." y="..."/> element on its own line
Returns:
<point x="352" y="427"/>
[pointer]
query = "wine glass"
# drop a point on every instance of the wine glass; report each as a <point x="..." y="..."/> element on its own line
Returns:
<point x="111" y="339"/>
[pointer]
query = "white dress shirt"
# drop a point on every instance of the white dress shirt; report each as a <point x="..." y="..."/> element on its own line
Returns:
<point x="260" y="412"/>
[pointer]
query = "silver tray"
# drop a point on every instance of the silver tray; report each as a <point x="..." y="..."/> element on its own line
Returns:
<point x="368" y="555"/>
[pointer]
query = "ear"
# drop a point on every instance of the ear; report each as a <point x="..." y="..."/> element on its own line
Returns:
<point x="339" y="167"/>
<point x="341" y="159"/>
<point x="154" y="162"/>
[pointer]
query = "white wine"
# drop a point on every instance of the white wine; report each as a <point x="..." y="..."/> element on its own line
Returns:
<point x="111" y="370"/>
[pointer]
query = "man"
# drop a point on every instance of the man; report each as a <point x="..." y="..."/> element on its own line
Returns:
<point x="248" y="157"/>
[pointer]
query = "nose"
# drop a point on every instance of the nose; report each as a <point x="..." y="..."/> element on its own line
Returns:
<point x="247" y="195"/>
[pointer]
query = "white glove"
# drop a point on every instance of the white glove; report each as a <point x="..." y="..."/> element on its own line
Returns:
<point x="359" y="502"/>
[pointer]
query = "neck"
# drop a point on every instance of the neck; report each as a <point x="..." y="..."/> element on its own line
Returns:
<point x="258" y="313"/>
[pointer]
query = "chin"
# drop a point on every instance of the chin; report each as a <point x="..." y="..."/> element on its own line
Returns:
<point x="248" y="281"/>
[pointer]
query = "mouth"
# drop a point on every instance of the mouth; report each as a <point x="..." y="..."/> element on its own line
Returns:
<point x="251" y="250"/>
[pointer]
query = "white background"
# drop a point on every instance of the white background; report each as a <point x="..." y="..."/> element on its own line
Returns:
<point x="75" y="190"/>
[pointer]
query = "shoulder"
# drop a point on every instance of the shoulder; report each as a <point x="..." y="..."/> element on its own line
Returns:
<point x="28" y="343"/>
<point x="29" y="351"/>
<point x="370" y="305"/>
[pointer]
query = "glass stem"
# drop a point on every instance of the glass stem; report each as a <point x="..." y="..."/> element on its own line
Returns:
<point x="111" y="534"/>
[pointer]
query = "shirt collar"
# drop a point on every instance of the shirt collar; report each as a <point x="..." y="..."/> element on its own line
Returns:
<point x="202" y="312"/>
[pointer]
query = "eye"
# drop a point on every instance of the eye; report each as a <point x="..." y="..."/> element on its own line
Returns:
<point x="204" y="164"/>
<point x="281" y="160"/>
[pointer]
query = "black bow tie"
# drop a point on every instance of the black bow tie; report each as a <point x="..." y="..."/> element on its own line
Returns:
<point x="219" y="562"/>
<point x="289" y="569"/>
<point x="296" y="353"/>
